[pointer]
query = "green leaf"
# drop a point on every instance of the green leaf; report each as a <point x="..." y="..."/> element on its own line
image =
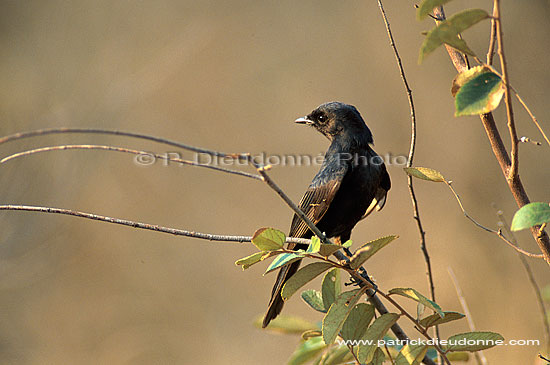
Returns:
<point x="435" y="319"/>
<point x="328" y="249"/>
<point x="379" y="357"/>
<point x="338" y="313"/>
<point x="465" y="76"/>
<point x="416" y="296"/>
<point x="287" y="324"/>
<point x="310" y="334"/>
<point x="268" y="239"/>
<point x="306" y="351"/>
<point x="426" y="7"/>
<point x="248" y="261"/>
<point x="473" y="341"/>
<point x="368" y="250"/>
<point x="302" y="277"/>
<point x="531" y="214"/>
<point x="411" y="354"/>
<point x="314" y="246"/>
<point x="331" y="287"/>
<point x="357" y="322"/>
<point x="424" y="173"/>
<point x="375" y="333"/>
<point x="479" y="95"/>
<point x="314" y="299"/>
<point x="420" y="310"/>
<point x="448" y="30"/>
<point x="337" y="355"/>
<point x="282" y="260"/>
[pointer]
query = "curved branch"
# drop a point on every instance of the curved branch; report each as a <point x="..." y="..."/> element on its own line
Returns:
<point x="46" y="131"/>
<point x="140" y="225"/>
<point x="148" y="158"/>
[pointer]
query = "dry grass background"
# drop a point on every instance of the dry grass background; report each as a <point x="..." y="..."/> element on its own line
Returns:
<point x="233" y="76"/>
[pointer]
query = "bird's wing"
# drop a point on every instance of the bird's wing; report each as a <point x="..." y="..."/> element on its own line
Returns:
<point x="317" y="198"/>
<point x="381" y="192"/>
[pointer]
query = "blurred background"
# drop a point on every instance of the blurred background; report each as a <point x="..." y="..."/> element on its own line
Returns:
<point x="233" y="76"/>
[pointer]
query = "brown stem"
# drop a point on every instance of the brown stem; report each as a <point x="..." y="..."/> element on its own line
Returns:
<point x="412" y="149"/>
<point x="513" y="173"/>
<point x="515" y="185"/>
<point x="140" y="225"/>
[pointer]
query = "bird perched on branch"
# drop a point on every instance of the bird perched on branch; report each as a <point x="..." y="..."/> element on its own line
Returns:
<point x="351" y="183"/>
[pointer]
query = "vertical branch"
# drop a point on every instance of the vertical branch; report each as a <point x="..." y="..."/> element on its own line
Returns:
<point x="416" y="211"/>
<point x="513" y="173"/>
<point x="492" y="39"/>
<point x="515" y="185"/>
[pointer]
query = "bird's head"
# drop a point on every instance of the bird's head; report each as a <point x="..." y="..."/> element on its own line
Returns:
<point x="335" y="119"/>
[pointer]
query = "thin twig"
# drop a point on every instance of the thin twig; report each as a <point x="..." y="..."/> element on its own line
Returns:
<point x="140" y="225"/>
<point x="412" y="148"/>
<point x="262" y="170"/>
<point x="147" y="158"/>
<point x="350" y="347"/>
<point x="43" y="132"/>
<point x="499" y="150"/>
<point x="492" y="39"/>
<point x="498" y="233"/>
<point x="480" y="357"/>
<point x="513" y="173"/>
<point x="532" y="280"/>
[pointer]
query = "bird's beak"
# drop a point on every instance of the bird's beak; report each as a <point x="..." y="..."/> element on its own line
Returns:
<point x="303" y="120"/>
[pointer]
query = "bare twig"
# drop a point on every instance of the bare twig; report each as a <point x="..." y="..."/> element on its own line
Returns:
<point x="480" y="357"/>
<point x="147" y="155"/>
<point x="513" y="173"/>
<point x="499" y="150"/>
<point x="262" y="170"/>
<point x="498" y="233"/>
<point x="43" y="132"/>
<point x="532" y="280"/>
<point x="492" y="39"/>
<point x="533" y="118"/>
<point x="412" y="148"/>
<point x="140" y="225"/>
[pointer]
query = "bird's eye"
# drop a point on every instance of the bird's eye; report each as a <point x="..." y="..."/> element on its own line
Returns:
<point x="321" y="118"/>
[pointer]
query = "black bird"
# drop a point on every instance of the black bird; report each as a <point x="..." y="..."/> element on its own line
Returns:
<point x="351" y="183"/>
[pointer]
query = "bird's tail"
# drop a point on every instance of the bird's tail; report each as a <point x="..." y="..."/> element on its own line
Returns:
<point x="276" y="303"/>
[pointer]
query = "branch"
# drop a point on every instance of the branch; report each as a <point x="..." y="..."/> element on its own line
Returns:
<point x="46" y="131"/>
<point x="412" y="148"/>
<point x="498" y="233"/>
<point x="140" y="225"/>
<point x="513" y="173"/>
<point x="515" y="185"/>
<point x="492" y="39"/>
<point x="143" y="157"/>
